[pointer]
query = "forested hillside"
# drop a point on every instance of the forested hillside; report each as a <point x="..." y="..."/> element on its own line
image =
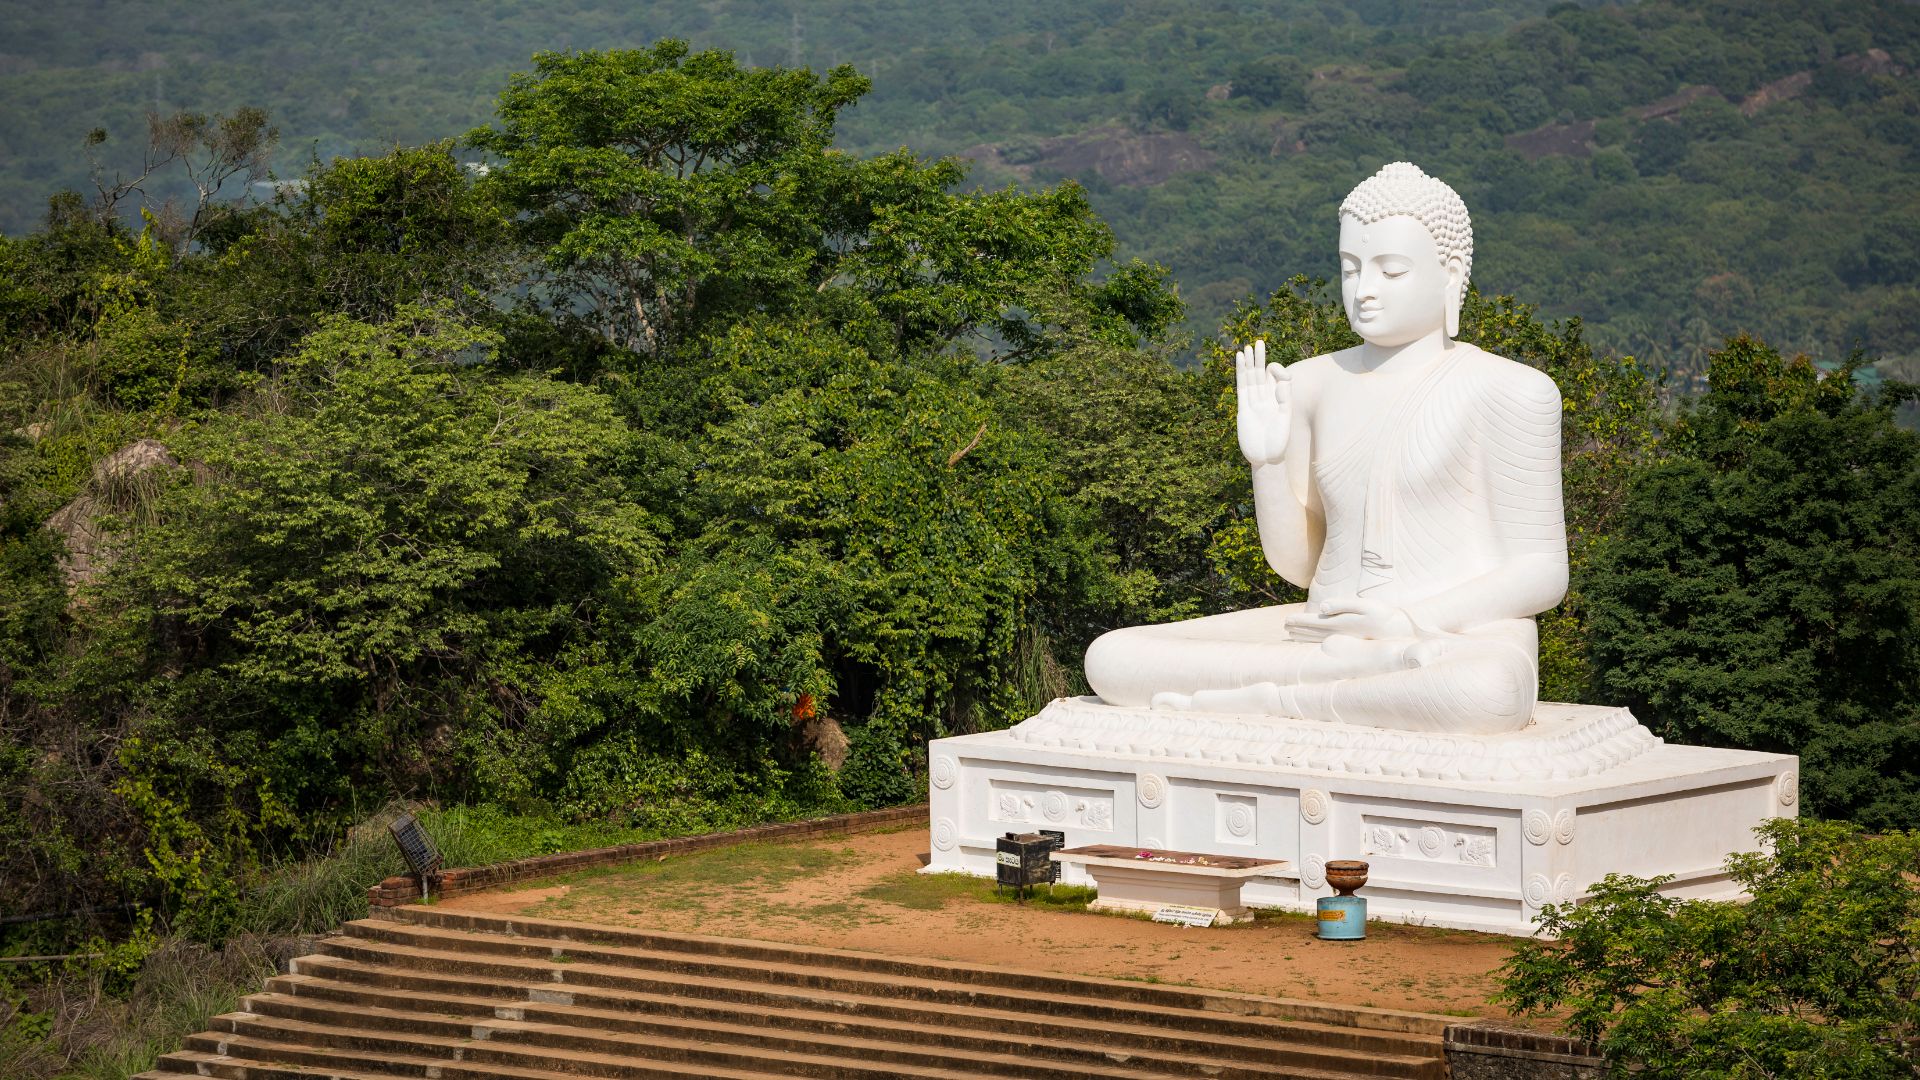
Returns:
<point x="1668" y="172"/>
<point x="699" y="457"/>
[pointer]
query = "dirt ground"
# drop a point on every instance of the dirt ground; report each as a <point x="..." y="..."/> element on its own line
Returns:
<point x="863" y="892"/>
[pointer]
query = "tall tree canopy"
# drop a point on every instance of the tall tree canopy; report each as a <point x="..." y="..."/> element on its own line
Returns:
<point x="1760" y="586"/>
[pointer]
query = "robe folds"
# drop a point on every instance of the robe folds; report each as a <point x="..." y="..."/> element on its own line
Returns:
<point x="1457" y="476"/>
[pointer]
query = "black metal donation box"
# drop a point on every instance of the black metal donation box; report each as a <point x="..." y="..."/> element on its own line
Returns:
<point x="1022" y="858"/>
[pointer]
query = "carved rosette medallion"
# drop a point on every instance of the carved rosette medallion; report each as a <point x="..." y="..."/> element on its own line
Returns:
<point x="1563" y="826"/>
<point x="1313" y="872"/>
<point x="943" y="834"/>
<point x="1153" y="842"/>
<point x="1787" y="788"/>
<point x="1054" y="805"/>
<point x="1539" y="891"/>
<point x="1536" y="826"/>
<point x="1239" y="819"/>
<point x="1431" y="842"/>
<point x="1152" y="791"/>
<point x="943" y="772"/>
<point x="1313" y="806"/>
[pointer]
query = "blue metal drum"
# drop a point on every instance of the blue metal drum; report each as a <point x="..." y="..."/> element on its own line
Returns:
<point x="1342" y="918"/>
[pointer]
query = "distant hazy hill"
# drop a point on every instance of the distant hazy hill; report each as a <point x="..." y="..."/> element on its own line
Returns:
<point x="1672" y="172"/>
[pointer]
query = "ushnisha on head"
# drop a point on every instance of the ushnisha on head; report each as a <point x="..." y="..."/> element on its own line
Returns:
<point x="1406" y="249"/>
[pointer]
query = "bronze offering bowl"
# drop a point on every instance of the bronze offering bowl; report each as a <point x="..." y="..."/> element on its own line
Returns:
<point x="1346" y="875"/>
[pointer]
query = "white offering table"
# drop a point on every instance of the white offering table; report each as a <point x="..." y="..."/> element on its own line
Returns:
<point x="1146" y="880"/>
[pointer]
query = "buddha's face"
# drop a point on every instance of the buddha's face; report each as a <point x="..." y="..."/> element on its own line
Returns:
<point x="1395" y="287"/>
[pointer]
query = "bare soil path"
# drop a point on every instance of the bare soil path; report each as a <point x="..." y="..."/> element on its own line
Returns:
<point x="863" y="892"/>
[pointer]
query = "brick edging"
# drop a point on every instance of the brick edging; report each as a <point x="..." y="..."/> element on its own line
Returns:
<point x="1485" y="1051"/>
<point x="405" y="889"/>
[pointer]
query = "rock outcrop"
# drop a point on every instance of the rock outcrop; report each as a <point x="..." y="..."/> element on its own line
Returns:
<point x="113" y="487"/>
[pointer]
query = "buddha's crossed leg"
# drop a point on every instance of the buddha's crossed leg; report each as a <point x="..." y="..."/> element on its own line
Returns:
<point x="1245" y="662"/>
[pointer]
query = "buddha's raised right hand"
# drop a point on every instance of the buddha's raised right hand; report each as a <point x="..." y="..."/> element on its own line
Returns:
<point x="1266" y="408"/>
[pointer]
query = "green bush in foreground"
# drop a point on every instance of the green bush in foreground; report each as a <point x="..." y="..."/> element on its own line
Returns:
<point x="1816" y="976"/>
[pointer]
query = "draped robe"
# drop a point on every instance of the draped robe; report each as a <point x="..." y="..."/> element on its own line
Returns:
<point x="1456" y="477"/>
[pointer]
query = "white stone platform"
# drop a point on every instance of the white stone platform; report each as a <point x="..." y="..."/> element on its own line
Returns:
<point x="1474" y="832"/>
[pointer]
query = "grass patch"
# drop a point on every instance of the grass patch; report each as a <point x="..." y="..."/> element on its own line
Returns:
<point x="318" y="894"/>
<point x="925" y="892"/>
<point x="738" y="874"/>
<point x="930" y="892"/>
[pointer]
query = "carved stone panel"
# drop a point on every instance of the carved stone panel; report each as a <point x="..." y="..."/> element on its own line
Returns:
<point x="1013" y="802"/>
<point x="1420" y="841"/>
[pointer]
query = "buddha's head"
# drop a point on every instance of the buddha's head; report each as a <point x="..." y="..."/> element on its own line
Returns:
<point x="1406" y="246"/>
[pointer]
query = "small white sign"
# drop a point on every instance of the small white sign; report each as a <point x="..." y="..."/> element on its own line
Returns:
<point x="1187" y="916"/>
<point x="1009" y="858"/>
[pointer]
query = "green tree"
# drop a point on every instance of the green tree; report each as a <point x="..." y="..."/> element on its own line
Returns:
<point x="1168" y="106"/>
<point x="1760" y="585"/>
<point x="1135" y="441"/>
<point x="1816" y="976"/>
<point x="662" y="183"/>
<point x="1277" y="81"/>
<point x="361" y="590"/>
<point x="675" y="193"/>
<point x="866" y="531"/>
<point x="359" y="237"/>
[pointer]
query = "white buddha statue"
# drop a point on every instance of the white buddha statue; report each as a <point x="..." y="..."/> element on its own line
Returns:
<point x="1410" y="484"/>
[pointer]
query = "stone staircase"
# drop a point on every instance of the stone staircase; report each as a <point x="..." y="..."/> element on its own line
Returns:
<point x="453" y="995"/>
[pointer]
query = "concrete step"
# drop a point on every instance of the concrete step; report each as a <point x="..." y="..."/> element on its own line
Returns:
<point x="528" y="1046"/>
<point x="242" y="1058"/>
<point x="720" y="998"/>
<point x="930" y="1041"/>
<point x="809" y="1055"/>
<point x="853" y="993"/>
<point x="575" y="935"/>
<point x="195" y="1063"/>
<point x="200" y="1063"/>
<point x="460" y="996"/>
<point x="1079" y="1000"/>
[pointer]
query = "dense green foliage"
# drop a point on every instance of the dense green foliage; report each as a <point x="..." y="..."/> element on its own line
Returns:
<point x="1761" y="584"/>
<point x="492" y="492"/>
<point x="1605" y="181"/>
<point x="680" y="469"/>
<point x="107" y="1014"/>
<point x="1815" y="977"/>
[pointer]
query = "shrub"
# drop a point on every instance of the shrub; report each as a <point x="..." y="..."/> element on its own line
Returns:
<point x="1816" y="977"/>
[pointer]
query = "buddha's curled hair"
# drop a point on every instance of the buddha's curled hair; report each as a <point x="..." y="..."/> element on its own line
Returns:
<point x="1402" y="188"/>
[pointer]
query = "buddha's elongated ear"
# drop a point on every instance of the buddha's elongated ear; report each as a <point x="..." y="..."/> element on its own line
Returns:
<point x="1456" y="294"/>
